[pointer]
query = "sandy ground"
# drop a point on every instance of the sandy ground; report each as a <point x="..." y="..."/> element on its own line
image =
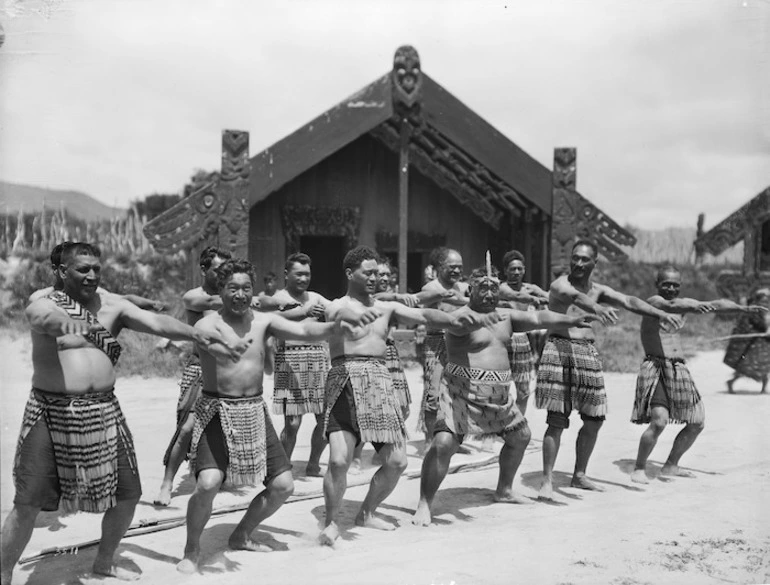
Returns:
<point x="711" y="529"/>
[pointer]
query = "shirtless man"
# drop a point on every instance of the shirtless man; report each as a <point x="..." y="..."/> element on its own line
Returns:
<point x="233" y="438"/>
<point x="475" y="395"/>
<point x="198" y="302"/>
<point x="523" y="296"/>
<point x="74" y="443"/>
<point x="360" y="404"/>
<point x="665" y="391"/>
<point x="300" y="368"/>
<point x="139" y="301"/>
<point x="449" y="271"/>
<point x="570" y="373"/>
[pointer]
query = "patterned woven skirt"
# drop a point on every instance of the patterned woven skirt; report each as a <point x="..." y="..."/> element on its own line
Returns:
<point x="522" y="360"/>
<point x="300" y="377"/>
<point x="432" y="369"/>
<point x="570" y="378"/>
<point x="377" y="412"/>
<point x="189" y="390"/>
<point x="85" y="430"/>
<point x="478" y="402"/>
<point x="749" y="357"/>
<point x="397" y="376"/>
<point x="684" y="401"/>
<point x="243" y="425"/>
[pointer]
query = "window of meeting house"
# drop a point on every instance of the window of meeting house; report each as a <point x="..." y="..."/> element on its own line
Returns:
<point x="764" y="246"/>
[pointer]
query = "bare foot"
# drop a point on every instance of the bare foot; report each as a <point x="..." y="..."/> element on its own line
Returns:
<point x="112" y="570"/>
<point x="582" y="482"/>
<point x="377" y="459"/>
<point x="676" y="471"/>
<point x="639" y="476"/>
<point x="238" y="543"/>
<point x="371" y="521"/>
<point x="329" y="535"/>
<point x="511" y="497"/>
<point x="313" y="471"/>
<point x="546" y="490"/>
<point x="164" y="496"/>
<point x="730" y="386"/>
<point x="355" y="467"/>
<point x="187" y="566"/>
<point x="422" y="516"/>
<point x="463" y="450"/>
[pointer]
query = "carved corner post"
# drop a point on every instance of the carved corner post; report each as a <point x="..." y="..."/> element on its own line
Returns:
<point x="406" y="83"/>
<point x="564" y="212"/>
<point x="234" y="184"/>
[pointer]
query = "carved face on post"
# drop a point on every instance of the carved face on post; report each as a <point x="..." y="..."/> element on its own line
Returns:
<point x="407" y="77"/>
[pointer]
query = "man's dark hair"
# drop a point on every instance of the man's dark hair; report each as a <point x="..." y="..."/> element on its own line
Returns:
<point x="438" y="255"/>
<point x="665" y="269"/>
<point x="208" y="255"/>
<point x="513" y="255"/>
<point x="235" y="266"/>
<point x="269" y="276"/>
<point x="386" y="261"/>
<point x="590" y="243"/>
<point x="297" y="258"/>
<point x="56" y="253"/>
<point x="357" y="255"/>
<point x="481" y="272"/>
<point x="71" y="249"/>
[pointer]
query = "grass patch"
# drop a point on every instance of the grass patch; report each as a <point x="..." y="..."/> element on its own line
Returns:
<point x="142" y="357"/>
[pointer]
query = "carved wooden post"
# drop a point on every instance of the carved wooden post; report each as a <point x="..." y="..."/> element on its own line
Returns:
<point x="564" y="217"/>
<point x="217" y="214"/>
<point x="406" y="82"/>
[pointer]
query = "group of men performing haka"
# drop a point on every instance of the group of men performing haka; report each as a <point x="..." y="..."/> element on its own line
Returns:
<point x="334" y="359"/>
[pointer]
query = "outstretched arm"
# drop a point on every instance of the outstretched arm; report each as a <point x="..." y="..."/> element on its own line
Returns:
<point x="530" y="320"/>
<point x="198" y="302"/>
<point x="563" y="288"/>
<point x="48" y="319"/>
<point x="285" y="329"/>
<point x="145" y="303"/>
<point x="680" y="306"/>
<point x="728" y="306"/>
<point x="519" y="296"/>
<point x="638" y="306"/>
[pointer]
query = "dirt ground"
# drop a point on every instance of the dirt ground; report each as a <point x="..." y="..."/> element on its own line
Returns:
<point x="711" y="529"/>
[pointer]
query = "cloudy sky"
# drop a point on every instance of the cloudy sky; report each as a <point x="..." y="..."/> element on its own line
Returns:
<point x="667" y="102"/>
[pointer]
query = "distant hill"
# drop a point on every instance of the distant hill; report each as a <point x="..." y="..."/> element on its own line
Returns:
<point x="14" y="197"/>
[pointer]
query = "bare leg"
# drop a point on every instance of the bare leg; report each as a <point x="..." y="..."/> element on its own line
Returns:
<point x="429" y="416"/>
<point x="341" y="445"/>
<point x="317" y="446"/>
<point x="684" y="440"/>
<point x="551" y="443"/>
<point x="730" y="383"/>
<point x="289" y="433"/>
<point x="264" y="505"/>
<point x="382" y="484"/>
<point x="175" y="459"/>
<point x="583" y="448"/>
<point x="434" y="470"/>
<point x="356" y="466"/>
<point x="115" y="522"/>
<point x="17" y="530"/>
<point x="764" y="385"/>
<point x="510" y="458"/>
<point x="659" y="419"/>
<point x="198" y="513"/>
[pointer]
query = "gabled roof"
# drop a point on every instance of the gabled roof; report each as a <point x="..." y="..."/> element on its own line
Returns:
<point x="453" y="146"/>
<point x="735" y="226"/>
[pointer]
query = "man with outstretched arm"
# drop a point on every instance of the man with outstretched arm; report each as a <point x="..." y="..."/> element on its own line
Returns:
<point x="453" y="295"/>
<point x="198" y="302"/>
<point x="475" y="396"/>
<point x="300" y="367"/>
<point x="665" y="390"/>
<point x="233" y="437"/>
<point x="74" y="445"/>
<point x="570" y="374"/>
<point x="360" y="403"/>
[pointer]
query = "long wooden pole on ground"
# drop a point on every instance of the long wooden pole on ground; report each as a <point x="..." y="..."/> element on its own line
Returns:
<point x="403" y="203"/>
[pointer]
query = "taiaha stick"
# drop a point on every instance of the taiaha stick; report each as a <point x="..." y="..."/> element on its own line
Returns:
<point x="742" y="336"/>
